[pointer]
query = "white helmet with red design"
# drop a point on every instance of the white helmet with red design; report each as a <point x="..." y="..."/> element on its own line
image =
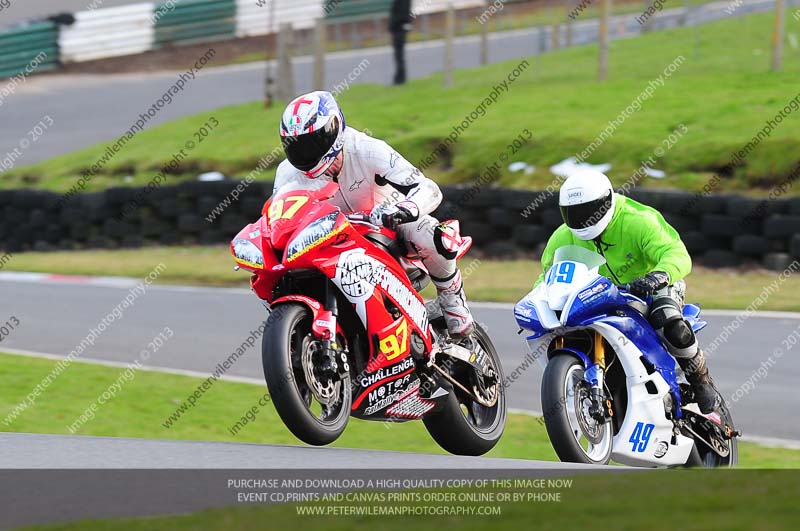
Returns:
<point x="312" y="132"/>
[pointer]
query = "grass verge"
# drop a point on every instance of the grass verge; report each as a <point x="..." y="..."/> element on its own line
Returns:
<point x="142" y="405"/>
<point x="722" y="93"/>
<point x="488" y="280"/>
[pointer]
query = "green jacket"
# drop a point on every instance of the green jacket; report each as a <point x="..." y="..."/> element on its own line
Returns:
<point x="637" y="241"/>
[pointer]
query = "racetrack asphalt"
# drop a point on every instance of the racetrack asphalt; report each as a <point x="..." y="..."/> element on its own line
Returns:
<point x="211" y="323"/>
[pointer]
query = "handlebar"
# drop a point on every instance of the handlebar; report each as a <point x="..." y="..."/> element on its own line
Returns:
<point x="625" y="290"/>
<point x="361" y="217"/>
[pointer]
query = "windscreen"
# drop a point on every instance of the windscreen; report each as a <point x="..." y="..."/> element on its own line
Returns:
<point x="575" y="253"/>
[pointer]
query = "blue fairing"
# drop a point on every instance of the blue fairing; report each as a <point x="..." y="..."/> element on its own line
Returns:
<point x="691" y="312"/>
<point x="528" y="319"/>
<point x="602" y="301"/>
<point x="599" y="297"/>
<point x="577" y="353"/>
<point x="634" y="326"/>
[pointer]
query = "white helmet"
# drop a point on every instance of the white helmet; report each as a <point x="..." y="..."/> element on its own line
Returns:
<point x="587" y="203"/>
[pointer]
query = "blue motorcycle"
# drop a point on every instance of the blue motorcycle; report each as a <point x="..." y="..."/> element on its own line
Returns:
<point x="610" y="389"/>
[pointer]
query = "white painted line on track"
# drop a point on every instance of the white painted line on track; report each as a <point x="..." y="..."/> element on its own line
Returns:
<point x="123" y="365"/>
<point x="771" y="442"/>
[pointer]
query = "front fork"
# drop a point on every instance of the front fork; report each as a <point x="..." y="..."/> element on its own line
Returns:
<point x="330" y="348"/>
<point x="600" y="407"/>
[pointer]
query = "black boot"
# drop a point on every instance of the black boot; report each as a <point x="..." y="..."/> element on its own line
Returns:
<point x="705" y="394"/>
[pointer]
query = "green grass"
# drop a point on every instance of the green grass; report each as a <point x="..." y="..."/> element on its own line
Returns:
<point x="486" y="280"/>
<point x="514" y="16"/>
<point x="688" y="500"/>
<point x="723" y="93"/>
<point x="717" y="500"/>
<point x="145" y="402"/>
<point x="150" y="398"/>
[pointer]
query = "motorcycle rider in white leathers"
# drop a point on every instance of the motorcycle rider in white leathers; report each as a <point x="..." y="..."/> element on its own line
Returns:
<point x="372" y="177"/>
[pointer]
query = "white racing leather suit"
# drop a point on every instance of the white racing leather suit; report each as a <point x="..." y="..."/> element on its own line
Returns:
<point x="373" y="174"/>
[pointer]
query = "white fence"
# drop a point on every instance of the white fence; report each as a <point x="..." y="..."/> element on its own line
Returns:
<point x="108" y="32"/>
<point x="252" y="19"/>
<point x="127" y="30"/>
<point x="423" y="7"/>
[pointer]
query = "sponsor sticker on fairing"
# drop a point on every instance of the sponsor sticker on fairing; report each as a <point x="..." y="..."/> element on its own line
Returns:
<point x="386" y="372"/>
<point x="592" y="292"/>
<point x="379" y="399"/>
<point x="411" y="407"/>
<point x="357" y="275"/>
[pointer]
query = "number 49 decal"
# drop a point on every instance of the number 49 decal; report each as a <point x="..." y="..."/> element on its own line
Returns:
<point x="563" y="273"/>
<point x="641" y="436"/>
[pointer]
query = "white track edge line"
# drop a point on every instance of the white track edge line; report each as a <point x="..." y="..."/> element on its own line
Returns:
<point x="771" y="442"/>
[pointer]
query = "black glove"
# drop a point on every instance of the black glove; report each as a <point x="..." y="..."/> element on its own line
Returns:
<point x="645" y="287"/>
<point x="393" y="216"/>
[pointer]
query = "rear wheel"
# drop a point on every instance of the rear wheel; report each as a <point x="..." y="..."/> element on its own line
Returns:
<point x="465" y="426"/>
<point x="703" y="456"/>
<point x="576" y="436"/>
<point x="314" y="404"/>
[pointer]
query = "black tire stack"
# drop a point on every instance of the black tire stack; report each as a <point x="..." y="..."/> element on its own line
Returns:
<point x="719" y="230"/>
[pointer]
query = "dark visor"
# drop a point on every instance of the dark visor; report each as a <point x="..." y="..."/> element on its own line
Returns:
<point x="588" y="214"/>
<point x="305" y="151"/>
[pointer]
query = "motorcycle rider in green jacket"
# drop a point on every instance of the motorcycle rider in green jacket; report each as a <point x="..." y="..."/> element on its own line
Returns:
<point x="641" y="250"/>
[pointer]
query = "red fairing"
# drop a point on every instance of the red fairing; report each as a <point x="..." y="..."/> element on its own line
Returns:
<point x="308" y="233"/>
<point x="324" y="325"/>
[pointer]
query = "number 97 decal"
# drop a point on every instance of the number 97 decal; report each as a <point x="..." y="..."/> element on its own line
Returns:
<point x="285" y="208"/>
<point x="395" y="344"/>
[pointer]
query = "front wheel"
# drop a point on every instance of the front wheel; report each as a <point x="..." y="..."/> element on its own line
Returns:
<point x="576" y="436"/>
<point x="465" y="426"/>
<point x="314" y="404"/>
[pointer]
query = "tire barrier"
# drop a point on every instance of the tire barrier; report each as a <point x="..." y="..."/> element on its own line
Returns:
<point x="719" y="231"/>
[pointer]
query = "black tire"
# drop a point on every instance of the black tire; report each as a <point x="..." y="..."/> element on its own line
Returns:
<point x="751" y="245"/>
<point x="555" y="400"/>
<point x="794" y="246"/>
<point x="481" y="233"/>
<point x="287" y="382"/>
<point x="777" y="261"/>
<point x="552" y="218"/>
<point x="702" y="457"/>
<point x="505" y="250"/>
<point x="502" y="218"/>
<point x="682" y="224"/>
<point x="775" y="227"/>
<point x="450" y="427"/>
<point x="190" y="223"/>
<point x="719" y="258"/>
<point x="528" y="236"/>
<point x="716" y="225"/>
<point x="251" y="206"/>
<point x="695" y="242"/>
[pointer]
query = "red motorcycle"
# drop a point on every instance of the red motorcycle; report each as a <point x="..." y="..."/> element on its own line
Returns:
<point x="349" y="334"/>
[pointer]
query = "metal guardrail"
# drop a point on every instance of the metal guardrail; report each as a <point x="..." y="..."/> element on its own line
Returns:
<point x="355" y="9"/>
<point x="192" y="21"/>
<point x="33" y="47"/>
